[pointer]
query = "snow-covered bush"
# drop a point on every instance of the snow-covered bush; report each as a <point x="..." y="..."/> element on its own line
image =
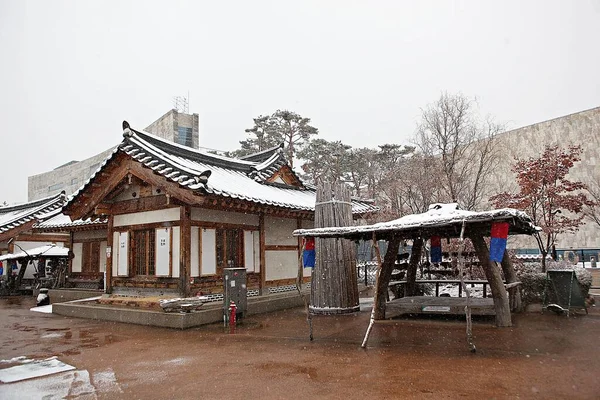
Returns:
<point x="533" y="280"/>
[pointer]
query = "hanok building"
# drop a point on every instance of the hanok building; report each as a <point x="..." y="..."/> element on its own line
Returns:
<point x="17" y="228"/>
<point x="176" y="217"/>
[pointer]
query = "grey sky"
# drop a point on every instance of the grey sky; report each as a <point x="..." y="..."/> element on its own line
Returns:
<point x="70" y="72"/>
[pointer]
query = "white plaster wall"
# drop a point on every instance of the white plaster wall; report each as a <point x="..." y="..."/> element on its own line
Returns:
<point x="278" y="231"/>
<point x="103" y="256"/>
<point x="163" y="243"/>
<point x="176" y="241"/>
<point x="195" y="252"/>
<point x="225" y="217"/>
<point x="281" y="264"/>
<point x="147" y="217"/>
<point x="115" y="253"/>
<point x="78" y="257"/>
<point x="249" y="250"/>
<point x="209" y="258"/>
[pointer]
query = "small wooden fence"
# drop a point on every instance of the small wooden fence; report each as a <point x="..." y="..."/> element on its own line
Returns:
<point x="444" y="282"/>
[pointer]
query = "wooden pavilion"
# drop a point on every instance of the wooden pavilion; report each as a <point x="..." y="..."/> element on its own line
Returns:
<point x="446" y="221"/>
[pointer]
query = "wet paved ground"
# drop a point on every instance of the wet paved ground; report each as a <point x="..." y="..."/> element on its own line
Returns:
<point x="542" y="356"/>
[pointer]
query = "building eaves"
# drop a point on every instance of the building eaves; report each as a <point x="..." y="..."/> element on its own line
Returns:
<point x="15" y="216"/>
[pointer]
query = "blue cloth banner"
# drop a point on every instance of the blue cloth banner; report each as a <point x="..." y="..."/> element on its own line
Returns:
<point x="498" y="242"/>
<point x="308" y="258"/>
<point x="436" y="249"/>
<point x="308" y="255"/>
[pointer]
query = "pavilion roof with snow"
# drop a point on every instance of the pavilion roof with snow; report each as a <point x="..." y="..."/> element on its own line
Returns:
<point x="443" y="220"/>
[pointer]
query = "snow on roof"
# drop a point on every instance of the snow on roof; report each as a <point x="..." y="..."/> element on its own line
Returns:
<point x="12" y="217"/>
<point x="64" y="221"/>
<point x="48" y="250"/>
<point x="218" y="175"/>
<point x="439" y="217"/>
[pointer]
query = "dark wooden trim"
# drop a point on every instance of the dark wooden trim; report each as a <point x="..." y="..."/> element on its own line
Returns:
<point x="199" y="252"/>
<point x="281" y="247"/>
<point x="263" y="275"/>
<point x="171" y="251"/>
<point x="88" y="240"/>
<point x="43" y="238"/>
<point x="16" y="231"/>
<point x="70" y="246"/>
<point x="185" y="248"/>
<point x="109" y="244"/>
<point x="151" y="225"/>
<point x="141" y="204"/>
<point x="219" y="225"/>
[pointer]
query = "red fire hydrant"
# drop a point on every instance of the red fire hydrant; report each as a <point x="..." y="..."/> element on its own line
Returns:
<point x="232" y="312"/>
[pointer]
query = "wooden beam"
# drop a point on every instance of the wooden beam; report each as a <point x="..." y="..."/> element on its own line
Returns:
<point x="70" y="259"/>
<point x="185" y="247"/>
<point x="43" y="238"/>
<point x="108" y="255"/>
<point x="140" y="204"/>
<point x="261" y="250"/>
<point x="16" y="231"/>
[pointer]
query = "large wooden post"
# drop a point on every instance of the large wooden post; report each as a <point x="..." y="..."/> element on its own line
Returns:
<point x="492" y="273"/>
<point x="511" y="276"/>
<point x="387" y="266"/>
<point x="334" y="289"/>
<point x="185" y="247"/>
<point x="108" y="255"/>
<point x="411" y="272"/>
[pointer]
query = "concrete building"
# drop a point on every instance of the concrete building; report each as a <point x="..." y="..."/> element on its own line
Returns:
<point x="174" y="126"/>
<point x="582" y="128"/>
<point x="177" y="127"/>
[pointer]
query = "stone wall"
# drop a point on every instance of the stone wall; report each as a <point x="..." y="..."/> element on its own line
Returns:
<point x="582" y="128"/>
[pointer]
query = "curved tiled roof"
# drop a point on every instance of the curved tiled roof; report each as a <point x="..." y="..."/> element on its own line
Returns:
<point x="217" y="175"/>
<point x="62" y="221"/>
<point x="12" y="217"/>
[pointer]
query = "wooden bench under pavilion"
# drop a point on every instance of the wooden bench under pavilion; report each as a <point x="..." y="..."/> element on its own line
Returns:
<point x="443" y="220"/>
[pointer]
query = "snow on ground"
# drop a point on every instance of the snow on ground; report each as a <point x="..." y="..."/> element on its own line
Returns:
<point x="41" y="379"/>
<point x="43" y="309"/>
<point x="33" y="369"/>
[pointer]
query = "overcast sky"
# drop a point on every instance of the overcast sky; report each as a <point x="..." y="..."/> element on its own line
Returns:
<point x="71" y="71"/>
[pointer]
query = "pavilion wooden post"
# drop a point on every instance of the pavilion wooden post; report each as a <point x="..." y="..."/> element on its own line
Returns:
<point x="511" y="277"/>
<point x="499" y="294"/>
<point x="385" y="275"/>
<point x="375" y="296"/>
<point x="411" y="272"/>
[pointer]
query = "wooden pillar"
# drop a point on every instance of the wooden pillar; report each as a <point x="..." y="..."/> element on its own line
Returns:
<point x="492" y="273"/>
<point x="185" y="249"/>
<point x="109" y="255"/>
<point x="511" y="276"/>
<point x="261" y="251"/>
<point x="387" y="266"/>
<point x="411" y="271"/>
<point x="71" y="254"/>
